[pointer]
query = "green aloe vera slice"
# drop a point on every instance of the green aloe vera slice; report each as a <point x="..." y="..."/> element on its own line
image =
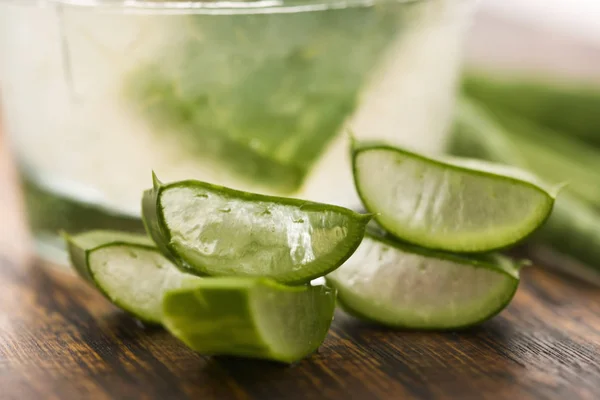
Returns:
<point x="451" y="204"/>
<point x="213" y="230"/>
<point x="401" y="285"/>
<point x="250" y="317"/>
<point x="127" y="269"/>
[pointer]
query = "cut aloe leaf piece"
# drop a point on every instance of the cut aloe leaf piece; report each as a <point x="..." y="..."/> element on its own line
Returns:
<point x="127" y="269"/>
<point x="451" y="204"/>
<point x="405" y="286"/>
<point x="250" y="317"/>
<point x="79" y="246"/>
<point x="213" y="230"/>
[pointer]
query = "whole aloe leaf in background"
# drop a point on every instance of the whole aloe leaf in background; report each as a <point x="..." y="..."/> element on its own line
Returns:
<point x="571" y="108"/>
<point x="573" y="229"/>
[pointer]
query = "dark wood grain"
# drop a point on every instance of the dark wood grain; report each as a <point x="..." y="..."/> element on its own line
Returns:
<point x="61" y="340"/>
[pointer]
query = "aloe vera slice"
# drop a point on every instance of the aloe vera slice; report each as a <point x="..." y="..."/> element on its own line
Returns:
<point x="250" y="317"/>
<point x="400" y="285"/>
<point x="217" y="231"/>
<point x="450" y="204"/>
<point x="127" y="269"/>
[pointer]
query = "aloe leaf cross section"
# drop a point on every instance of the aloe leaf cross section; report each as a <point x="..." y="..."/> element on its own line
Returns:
<point x="216" y="231"/>
<point x="450" y="204"/>
<point x="127" y="269"/>
<point x="250" y="317"/>
<point x="400" y="285"/>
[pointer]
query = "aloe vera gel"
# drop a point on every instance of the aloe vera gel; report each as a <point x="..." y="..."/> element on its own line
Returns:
<point x="255" y="97"/>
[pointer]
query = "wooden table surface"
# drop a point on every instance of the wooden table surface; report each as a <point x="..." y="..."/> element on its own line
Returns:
<point x="61" y="340"/>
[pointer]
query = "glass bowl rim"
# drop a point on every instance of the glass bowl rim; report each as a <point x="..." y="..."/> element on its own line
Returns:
<point x="207" y="6"/>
